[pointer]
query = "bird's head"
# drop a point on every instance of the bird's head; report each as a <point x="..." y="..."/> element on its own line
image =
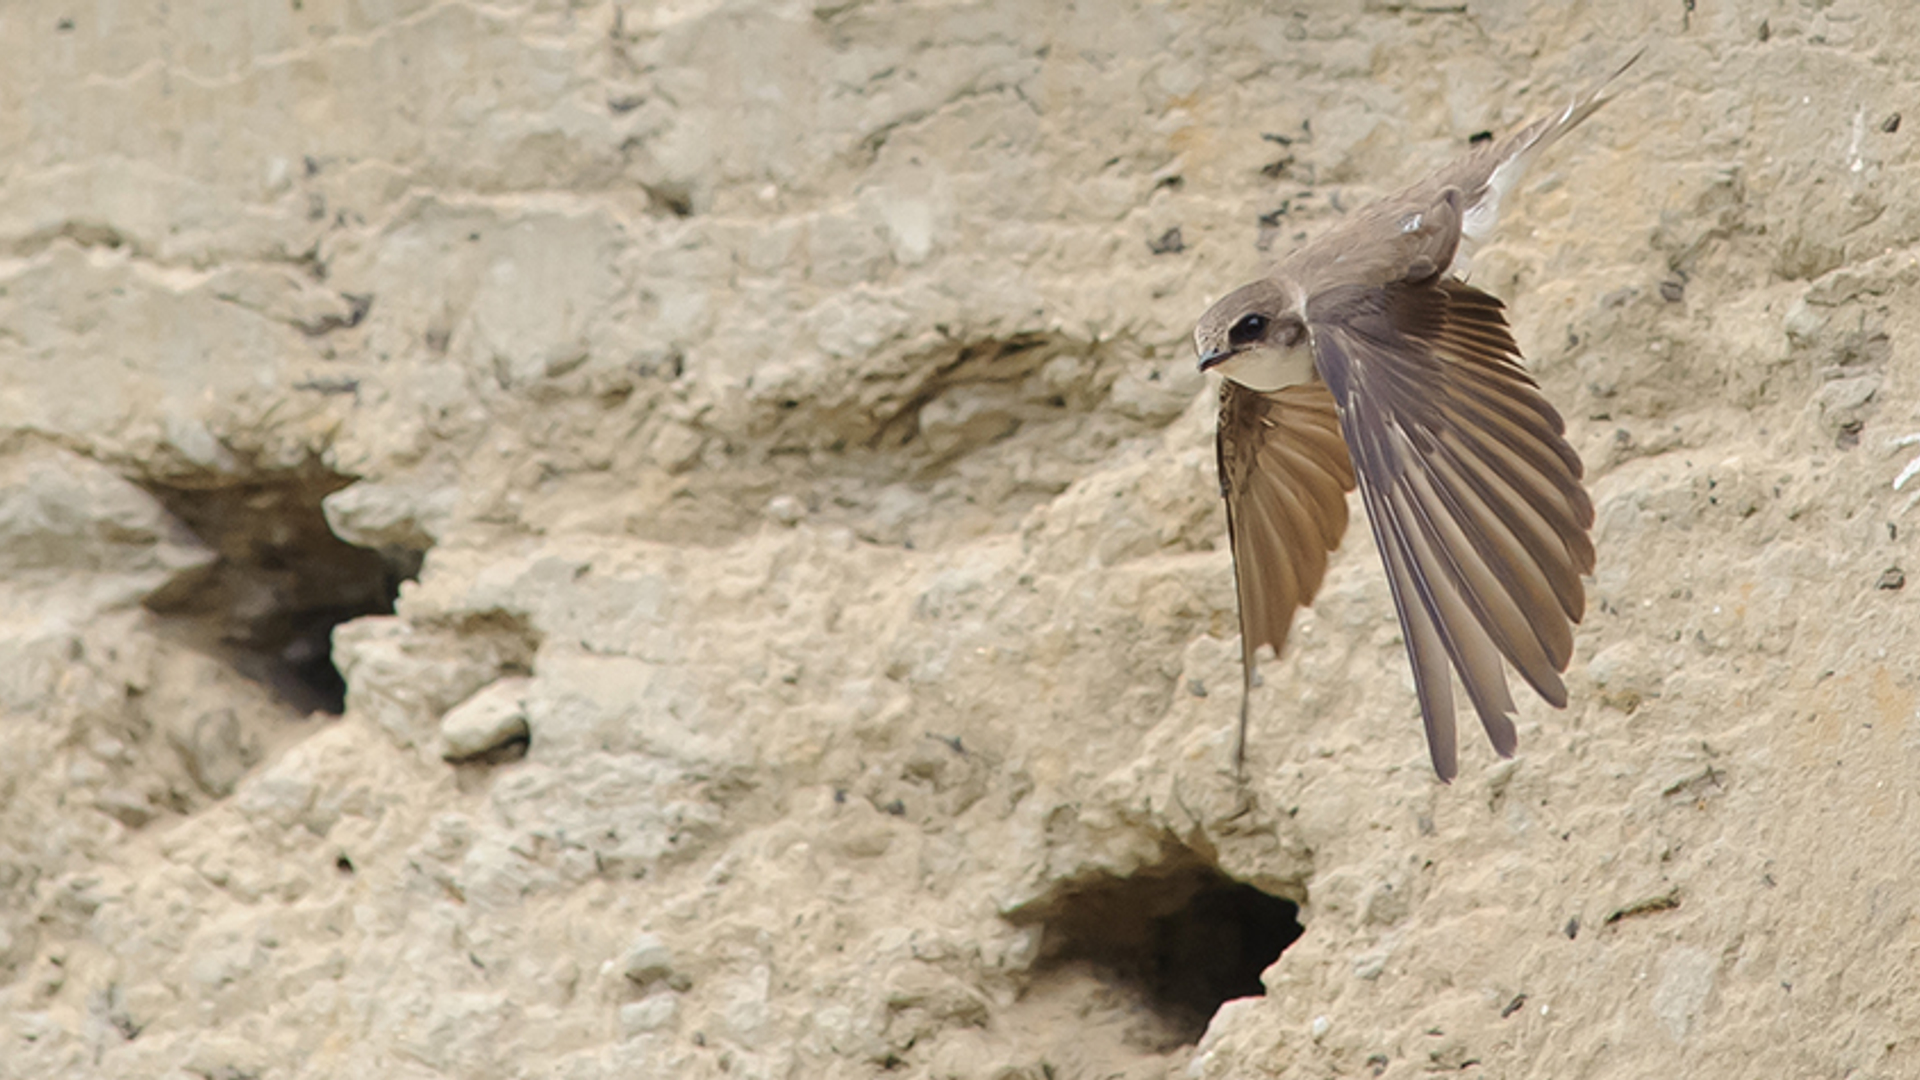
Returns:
<point x="1255" y="337"/>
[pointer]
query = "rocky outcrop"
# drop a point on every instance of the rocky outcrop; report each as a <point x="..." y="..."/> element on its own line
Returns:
<point x="603" y="540"/>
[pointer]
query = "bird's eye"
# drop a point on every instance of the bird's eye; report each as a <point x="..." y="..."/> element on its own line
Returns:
<point x="1249" y="329"/>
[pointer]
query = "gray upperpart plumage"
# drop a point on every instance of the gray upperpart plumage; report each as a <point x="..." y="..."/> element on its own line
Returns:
<point x="1363" y="358"/>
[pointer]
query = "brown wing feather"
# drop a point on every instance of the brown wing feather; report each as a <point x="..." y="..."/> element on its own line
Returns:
<point x="1472" y="491"/>
<point x="1285" y="474"/>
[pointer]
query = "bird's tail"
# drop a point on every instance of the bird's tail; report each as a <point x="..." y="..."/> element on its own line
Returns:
<point x="1512" y="157"/>
<point x="1546" y="132"/>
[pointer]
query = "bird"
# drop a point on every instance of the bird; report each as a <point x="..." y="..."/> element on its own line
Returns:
<point x="1365" y="357"/>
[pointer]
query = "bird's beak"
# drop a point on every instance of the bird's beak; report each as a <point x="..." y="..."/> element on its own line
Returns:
<point x="1212" y="357"/>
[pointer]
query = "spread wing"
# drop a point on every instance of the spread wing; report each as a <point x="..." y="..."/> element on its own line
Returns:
<point x="1471" y="488"/>
<point x="1285" y="476"/>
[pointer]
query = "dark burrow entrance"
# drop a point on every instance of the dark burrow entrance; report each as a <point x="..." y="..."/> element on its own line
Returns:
<point x="1180" y="939"/>
<point x="282" y="581"/>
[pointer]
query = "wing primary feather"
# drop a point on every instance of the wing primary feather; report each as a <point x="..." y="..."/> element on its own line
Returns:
<point x="1560" y="553"/>
<point x="1477" y="615"/>
<point x="1515" y="549"/>
<point x="1483" y="571"/>
<point x="1284" y="473"/>
<point x="1424" y="649"/>
<point x="1467" y="642"/>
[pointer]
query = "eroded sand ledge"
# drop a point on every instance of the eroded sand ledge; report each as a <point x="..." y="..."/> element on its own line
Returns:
<point x="788" y="415"/>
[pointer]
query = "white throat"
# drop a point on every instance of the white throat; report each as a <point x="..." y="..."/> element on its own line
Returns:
<point x="1267" y="368"/>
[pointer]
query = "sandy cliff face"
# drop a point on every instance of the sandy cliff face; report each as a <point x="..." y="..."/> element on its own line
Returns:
<point x="782" y="421"/>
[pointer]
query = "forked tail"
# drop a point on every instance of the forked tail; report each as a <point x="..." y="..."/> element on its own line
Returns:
<point x="1514" y="155"/>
